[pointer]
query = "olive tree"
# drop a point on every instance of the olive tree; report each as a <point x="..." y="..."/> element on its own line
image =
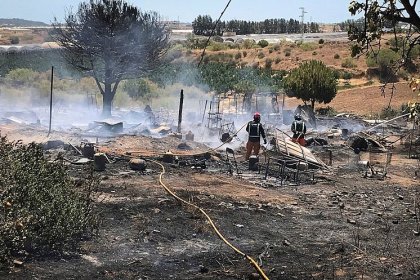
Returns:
<point x="311" y="82"/>
<point x="111" y="40"/>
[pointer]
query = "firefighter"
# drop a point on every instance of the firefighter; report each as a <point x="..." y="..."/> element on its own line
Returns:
<point x="299" y="130"/>
<point x="255" y="131"/>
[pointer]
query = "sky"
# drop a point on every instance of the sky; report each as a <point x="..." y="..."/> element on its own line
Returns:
<point x="321" y="11"/>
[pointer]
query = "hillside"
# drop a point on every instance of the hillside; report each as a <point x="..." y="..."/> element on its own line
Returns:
<point x="17" y="22"/>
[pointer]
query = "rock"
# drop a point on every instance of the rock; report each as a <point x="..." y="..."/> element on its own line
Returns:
<point x="17" y="263"/>
<point x="353" y="222"/>
<point x="100" y="161"/>
<point x="137" y="164"/>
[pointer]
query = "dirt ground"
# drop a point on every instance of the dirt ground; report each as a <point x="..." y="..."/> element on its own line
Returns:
<point x="340" y="226"/>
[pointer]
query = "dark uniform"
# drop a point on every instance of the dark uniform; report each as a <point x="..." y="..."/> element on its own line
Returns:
<point x="255" y="130"/>
<point x="299" y="130"/>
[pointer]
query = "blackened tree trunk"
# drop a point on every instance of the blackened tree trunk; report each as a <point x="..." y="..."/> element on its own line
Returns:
<point x="112" y="41"/>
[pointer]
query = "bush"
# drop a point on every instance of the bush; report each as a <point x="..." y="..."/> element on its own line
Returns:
<point x="14" y="40"/>
<point x="244" y="53"/>
<point x="314" y="53"/>
<point x="277" y="60"/>
<point x="268" y="63"/>
<point x="347" y="75"/>
<point x="321" y="41"/>
<point x="389" y="113"/>
<point x="348" y="63"/>
<point x="276" y="47"/>
<point x="248" y="44"/>
<point x="238" y="55"/>
<point x="336" y="56"/>
<point x="287" y="53"/>
<point x="217" y="39"/>
<point x="216" y="46"/>
<point x="263" y="43"/>
<point x="308" y="46"/>
<point x="260" y="55"/>
<point x="326" y="111"/>
<point x="270" y="50"/>
<point x="403" y="74"/>
<point x="42" y="213"/>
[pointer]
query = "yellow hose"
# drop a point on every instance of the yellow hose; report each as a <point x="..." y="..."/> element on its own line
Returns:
<point x="250" y="259"/>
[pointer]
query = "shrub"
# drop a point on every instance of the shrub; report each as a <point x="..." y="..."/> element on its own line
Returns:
<point x="347" y="75"/>
<point x="348" y="62"/>
<point x="326" y="111"/>
<point x="263" y="43"/>
<point x="308" y="46"/>
<point x="389" y="113"/>
<point x="217" y="39"/>
<point x="244" y="53"/>
<point x="42" y="211"/>
<point x="314" y="53"/>
<point x="260" y="55"/>
<point x="276" y="47"/>
<point x="270" y="50"/>
<point x="287" y="53"/>
<point x="216" y="46"/>
<point x="336" y="56"/>
<point x="268" y="63"/>
<point x="248" y="44"/>
<point x="321" y="41"/>
<point x="174" y="54"/>
<point x="255" y="65"/>
<point x="277" y="60"/>
<point x="238" y="55"/>
<point x="403" y="74"/>
<point x="14" y="40"/>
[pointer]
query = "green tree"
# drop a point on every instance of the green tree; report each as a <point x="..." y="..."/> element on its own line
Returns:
<point x="112" y="40"/>
<point x="312" y="81"/>
<point x="384" y="59"/>
<point x="139" y="89"/>
<point x="263" y="43"/>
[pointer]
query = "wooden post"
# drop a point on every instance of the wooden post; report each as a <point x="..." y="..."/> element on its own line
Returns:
<point x="204" y="113"/>
<point x="51" y="98"/>
<point x="181" y="103"/>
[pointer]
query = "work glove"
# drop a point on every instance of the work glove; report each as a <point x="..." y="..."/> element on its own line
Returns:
<point x="265" y="141"/>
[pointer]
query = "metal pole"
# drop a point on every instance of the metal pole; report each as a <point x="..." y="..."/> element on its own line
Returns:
<point x="181" y="103"/>
<point x="51" y="98"/>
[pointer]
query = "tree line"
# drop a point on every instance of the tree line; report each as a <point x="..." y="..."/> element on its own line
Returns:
<point x="204" y="24"/>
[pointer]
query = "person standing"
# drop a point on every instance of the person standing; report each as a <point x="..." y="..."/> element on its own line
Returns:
<point x="255" y="131"/>
<point x="299" y="130"/>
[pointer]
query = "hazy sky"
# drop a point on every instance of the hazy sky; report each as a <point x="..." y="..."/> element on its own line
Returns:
<point x="327" y="11"/>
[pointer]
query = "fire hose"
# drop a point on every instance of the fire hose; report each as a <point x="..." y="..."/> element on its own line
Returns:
<point x="216" y="230"/>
